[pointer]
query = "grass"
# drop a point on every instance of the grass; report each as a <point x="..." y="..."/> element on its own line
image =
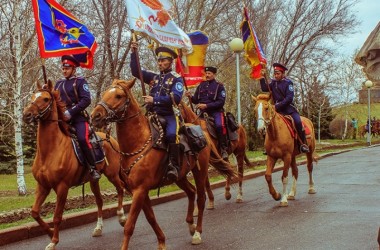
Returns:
<point x="10" y="200"/>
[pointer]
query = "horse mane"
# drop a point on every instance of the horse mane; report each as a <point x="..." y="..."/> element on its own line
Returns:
<point x="265" y="97"/>
<point x="61" y="107"/>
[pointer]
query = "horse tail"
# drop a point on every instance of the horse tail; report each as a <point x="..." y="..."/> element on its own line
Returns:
<point x="222" y="166"/>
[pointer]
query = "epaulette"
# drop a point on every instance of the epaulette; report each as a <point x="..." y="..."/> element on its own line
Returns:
<point x="175" y="74"/>
<point x="219" y="83"/>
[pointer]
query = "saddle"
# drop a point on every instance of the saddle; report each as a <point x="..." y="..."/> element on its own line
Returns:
<point x="231" y="125"/>
<point x="191" y="136"/>
<point x="97" y="146"/>
<point x="292" y="128"/>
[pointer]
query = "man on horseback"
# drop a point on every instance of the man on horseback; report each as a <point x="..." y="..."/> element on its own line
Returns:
<point x="166" y="87"/>
<point x="210" y="96"/>
<point x="74" y="91"/>
<point x="282" y="92"/>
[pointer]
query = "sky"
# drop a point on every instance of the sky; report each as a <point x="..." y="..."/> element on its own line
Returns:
<point x="368" y="13"/>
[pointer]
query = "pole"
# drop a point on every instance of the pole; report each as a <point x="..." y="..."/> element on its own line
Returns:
<point x="369" y="118"/>
<point x="238" y="87"/>
<point x="134" y="39"/>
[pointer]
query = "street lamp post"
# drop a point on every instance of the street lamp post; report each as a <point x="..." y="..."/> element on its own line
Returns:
<point x="237" y="45"/>
<point x="369" y="85"/>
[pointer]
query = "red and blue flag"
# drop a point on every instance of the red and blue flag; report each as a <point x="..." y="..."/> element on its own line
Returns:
<point x="254" y="53"/>
<point x="60" y="33"/>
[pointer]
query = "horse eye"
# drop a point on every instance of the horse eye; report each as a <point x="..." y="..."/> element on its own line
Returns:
<point x="118" y="96"/>
<point x="46" y="99"/>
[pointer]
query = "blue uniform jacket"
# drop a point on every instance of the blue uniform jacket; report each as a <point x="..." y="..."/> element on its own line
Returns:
<point x="73" y="105"/>
<point x="211" y="93"/>
<point x="162" y="85"/>
<point x="282" y="94"/>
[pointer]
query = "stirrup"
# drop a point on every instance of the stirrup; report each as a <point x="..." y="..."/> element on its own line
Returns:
<point x="304" y="148"/>
<point x="224" y="155"/>
<point x="172" y="174"/>
<point x="95" y="174"/>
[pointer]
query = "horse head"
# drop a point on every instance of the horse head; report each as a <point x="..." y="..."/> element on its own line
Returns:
<point x="264" y="112"/>
<point x="40" y="103"/>
<point x="116" y="104"/>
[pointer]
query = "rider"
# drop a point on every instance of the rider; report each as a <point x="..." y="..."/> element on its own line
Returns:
<point x="165" y="87"/>
<point x="74" y="91"/>
<point x="210" y="96"/>
<point x="282" y="92"/>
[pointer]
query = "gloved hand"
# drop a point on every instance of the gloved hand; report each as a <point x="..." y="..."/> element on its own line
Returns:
<point x="67" y="115"/>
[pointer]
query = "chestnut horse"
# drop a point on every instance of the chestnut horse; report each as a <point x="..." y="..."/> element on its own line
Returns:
<point x="280" y="144"/>
<point x="55" y="165"/>
<point x="143" y="168"/>
<point x="238" y="148"/>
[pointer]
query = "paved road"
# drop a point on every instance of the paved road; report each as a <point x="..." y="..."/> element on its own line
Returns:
<point x="344" y="214"/>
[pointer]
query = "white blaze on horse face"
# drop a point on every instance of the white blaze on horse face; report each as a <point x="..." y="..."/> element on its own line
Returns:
<point x="35" y="96"/>
<point x="260" y="119"/>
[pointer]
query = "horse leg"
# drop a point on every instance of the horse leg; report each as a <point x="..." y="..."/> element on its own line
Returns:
<point x="240" y="164"/>
<point x="284" y="199"/>
<point x="189" y="189"/>
<point x="293" y="190"/>
<point x="116" y="181"/>
<point x="149" y="215"/>
<point x="268" y="177"/>
<point x="309" y="157"/>
<point x="40" y="197"/>
<point x="99" y="203"/>
<point x="227" y="193"/>
<point x="62" y="191"/>
<point x="210" y="195"/>
<point x="138" y="199"/>
<point x="200" y="180"/>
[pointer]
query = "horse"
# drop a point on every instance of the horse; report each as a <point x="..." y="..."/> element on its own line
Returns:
<point x="238" y="148"/>
<point x="143" y="168"/>
<point x="55" y="165"/>
<point x="280" y="144"/>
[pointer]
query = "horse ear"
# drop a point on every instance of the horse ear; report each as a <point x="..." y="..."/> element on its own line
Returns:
<point x="38" y="84"/>
<point x="50" y="84"/>
<point x="254" y="99"/>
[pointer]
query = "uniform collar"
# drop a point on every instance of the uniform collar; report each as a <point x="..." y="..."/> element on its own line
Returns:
<point x="166" y="71"/>
<point x="71" y="77"/>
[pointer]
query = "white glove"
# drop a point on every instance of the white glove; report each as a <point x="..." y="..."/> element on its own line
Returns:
<point x="67" y="115"/>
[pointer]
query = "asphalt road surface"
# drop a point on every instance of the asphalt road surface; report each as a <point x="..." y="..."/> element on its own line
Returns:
<point x="343" y="214"/>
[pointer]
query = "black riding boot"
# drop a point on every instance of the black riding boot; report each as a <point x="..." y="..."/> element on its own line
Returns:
<point x="222" y="140"/>
<point x="174" y="162"/>
<point x="303" y="148"/>
<point x="90" y="160"/>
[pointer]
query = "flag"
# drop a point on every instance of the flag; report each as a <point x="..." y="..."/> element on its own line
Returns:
<point x="254" y="53"/>
<point x="60" y="33"/>
<point x="152" y="18"/>
<point x="192" y="69"/>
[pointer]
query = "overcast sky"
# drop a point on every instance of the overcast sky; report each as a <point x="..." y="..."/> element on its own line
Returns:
<point x="368" y="13"/>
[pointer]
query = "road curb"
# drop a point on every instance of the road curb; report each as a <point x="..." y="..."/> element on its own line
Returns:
<point x="32" y="229"/>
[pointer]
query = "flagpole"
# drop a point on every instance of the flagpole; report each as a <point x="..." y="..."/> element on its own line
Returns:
<point x="138" y="64"/>
<point x="44" y="70"/>
<point x="184" y="80"/>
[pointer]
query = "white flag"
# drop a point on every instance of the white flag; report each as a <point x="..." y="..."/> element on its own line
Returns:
<point x="152" y="18"/>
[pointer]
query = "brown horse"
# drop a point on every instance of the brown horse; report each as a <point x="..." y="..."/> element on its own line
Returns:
<point x="55" y="165"/>
<point x="237" y="147"/>
<point x="279" y="144"/>
<point x="143" y="169"/>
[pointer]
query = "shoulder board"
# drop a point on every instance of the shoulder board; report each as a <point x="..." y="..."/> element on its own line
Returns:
<point x="219" y="83"/>
<point x="150" y="71"/>
<point x="288" y="80"/>
<point x="175" y="74"/>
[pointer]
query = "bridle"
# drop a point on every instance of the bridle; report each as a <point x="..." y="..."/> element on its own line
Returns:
<point x="41" y="113"/>
<point x="272" y="114"/>
<point x="113" y="114"/>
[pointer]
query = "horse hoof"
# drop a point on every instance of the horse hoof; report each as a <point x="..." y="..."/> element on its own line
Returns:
<point x="291" y="197"/>
<point x="51" y="246"/>
<point x="122" y="220"/>
<point x="312" y="191"/>
<point x="97" y="232"/>
<point x="283" y="204"/>
<point x="161" y="246"/>
<point x="239" y="198"/>
<point x="192" y="229"/>
<point x="278" y="197"/>
<point x="196" y="240"/>
<point x="210" y="205"/>
<point x="227" y="195"/>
